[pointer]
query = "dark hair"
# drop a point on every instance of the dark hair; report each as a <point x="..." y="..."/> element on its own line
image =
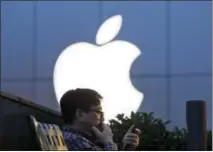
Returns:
<point x="78" y="99"/>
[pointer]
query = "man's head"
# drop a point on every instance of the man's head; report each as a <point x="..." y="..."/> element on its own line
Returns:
<point x="82" y="106"/>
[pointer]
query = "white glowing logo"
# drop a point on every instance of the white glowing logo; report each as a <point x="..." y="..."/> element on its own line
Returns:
<point x="104" y="68"/>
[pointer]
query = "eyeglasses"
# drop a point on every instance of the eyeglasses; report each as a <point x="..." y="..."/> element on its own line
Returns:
<point x="98" y="111"/>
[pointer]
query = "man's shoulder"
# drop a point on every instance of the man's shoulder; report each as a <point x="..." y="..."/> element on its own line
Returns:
<point x="75" y="141"/>
<point x="69" y="135"/>
<point x="72" y="135"/>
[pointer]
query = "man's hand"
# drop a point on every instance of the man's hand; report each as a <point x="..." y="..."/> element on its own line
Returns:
<point x="131" y="139"/>
<point x="105" y="136"/>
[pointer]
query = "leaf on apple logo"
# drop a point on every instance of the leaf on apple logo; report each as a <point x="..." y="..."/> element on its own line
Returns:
<point x="109" y="30"/>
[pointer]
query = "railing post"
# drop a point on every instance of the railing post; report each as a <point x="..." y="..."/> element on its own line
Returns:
<point x="196" y="125"/>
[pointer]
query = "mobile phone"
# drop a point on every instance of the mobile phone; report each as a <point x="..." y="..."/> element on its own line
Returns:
<point x="134" y="129"/>
<point x="128" y="146"/>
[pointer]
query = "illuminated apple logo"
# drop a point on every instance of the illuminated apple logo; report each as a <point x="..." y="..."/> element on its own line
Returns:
<point x="104" y="67"/>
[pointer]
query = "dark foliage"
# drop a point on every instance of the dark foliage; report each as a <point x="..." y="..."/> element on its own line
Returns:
<point x="154" y="133"/>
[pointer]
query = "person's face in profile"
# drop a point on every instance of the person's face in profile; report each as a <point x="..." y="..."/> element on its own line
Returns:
<point x="93" y="116"/>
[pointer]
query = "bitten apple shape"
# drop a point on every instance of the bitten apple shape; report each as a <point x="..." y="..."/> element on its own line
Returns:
<point x="104" y="67"/>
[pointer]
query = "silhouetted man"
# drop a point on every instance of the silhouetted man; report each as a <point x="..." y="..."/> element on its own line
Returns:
<point x="82" y="113"/>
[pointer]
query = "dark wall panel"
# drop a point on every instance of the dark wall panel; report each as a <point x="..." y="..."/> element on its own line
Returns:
<point x="15" y="132"/>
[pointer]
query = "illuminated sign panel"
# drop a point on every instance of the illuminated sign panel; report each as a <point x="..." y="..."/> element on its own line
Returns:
<point x="104" y="67"/>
